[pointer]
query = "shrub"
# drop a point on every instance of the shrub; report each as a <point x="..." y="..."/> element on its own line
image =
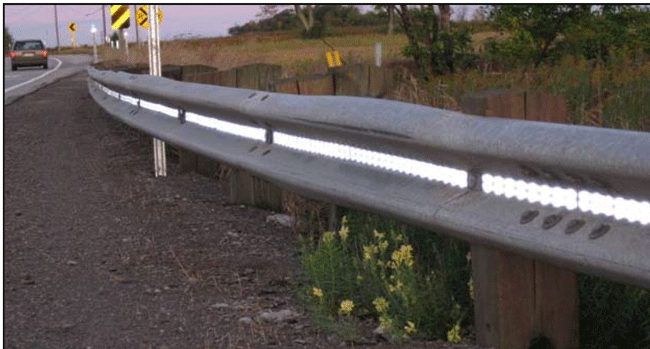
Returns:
<point x="411" y="281"/>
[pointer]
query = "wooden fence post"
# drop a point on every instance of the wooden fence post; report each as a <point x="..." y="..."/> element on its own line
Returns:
<point x="519" y="301"/>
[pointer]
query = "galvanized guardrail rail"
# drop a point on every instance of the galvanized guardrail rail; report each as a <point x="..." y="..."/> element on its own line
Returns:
<point x="577" y="197"/>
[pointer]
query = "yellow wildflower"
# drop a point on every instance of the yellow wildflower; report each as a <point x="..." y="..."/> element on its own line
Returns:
<point x="328" y="236"/>
<point x="378" y="235"/>
<point x="317" y="292"/>
<point x="394" y="288"/>
<point x="383" y="246"/>
<point x="380" y="304"/>
<point x="385" y="322"/>
<point x="470" y="285"/>
<point x="346" y="307"/>
<point x="410" y="327"/>
<point x="399" y="238"/>
<point x="368" y="251"/>
<point x="453" y="335"/>
<point x="343" y="233"/>
<point x="403" y="256"/>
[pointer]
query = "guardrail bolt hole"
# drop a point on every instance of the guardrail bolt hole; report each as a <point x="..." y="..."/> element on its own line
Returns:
<point x="252" y="95"/>
<point x="598" y="232"/>
<point x="551" y="221"/>
<point x="252" y="149"/>
<point x="265" y="97"/>
<point x="574" y="226"/>
<point x="266" y="152"/>
<point x="528" y="216"/>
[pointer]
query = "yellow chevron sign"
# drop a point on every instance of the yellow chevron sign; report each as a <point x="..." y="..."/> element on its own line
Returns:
<point x="142" y="16"/>
<point x="120" y="15"/>
<point x="72" y="27"/>
<point x="333" y="59"/>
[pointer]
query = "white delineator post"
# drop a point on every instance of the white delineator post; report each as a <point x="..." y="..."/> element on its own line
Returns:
<point x="159" y="158"/>
<point x="126" y="44"/>
<point x="378" y="54"/>
<point x="94" y="30"/>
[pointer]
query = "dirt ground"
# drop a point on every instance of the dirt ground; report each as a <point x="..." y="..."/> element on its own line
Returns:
<point x="100" y="254"/>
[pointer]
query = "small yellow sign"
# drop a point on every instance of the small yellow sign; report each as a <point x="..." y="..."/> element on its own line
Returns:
<point x="72" y="27"/>
<point x="142" y="16"/>
<point x="333" y="59"/>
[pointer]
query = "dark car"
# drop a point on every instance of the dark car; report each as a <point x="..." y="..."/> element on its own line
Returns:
<point x="28" y="53"/>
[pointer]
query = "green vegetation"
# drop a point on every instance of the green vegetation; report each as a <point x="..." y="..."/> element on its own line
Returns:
<point x="413" y="282"/>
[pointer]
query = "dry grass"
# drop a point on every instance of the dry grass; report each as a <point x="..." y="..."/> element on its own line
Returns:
<point x="294" y="54"/>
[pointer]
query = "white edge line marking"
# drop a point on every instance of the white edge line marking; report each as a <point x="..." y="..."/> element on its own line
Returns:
<point x="36" y="78"/>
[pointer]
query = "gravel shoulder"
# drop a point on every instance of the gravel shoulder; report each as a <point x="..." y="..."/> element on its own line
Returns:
<point x="100" y="254"/>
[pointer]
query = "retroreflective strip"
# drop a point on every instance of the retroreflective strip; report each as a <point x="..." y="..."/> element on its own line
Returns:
<point x="119" y="16"/>
<point x="571" y="199"/>
<point x="254" y="133"/>
<point x="422" y="169"/>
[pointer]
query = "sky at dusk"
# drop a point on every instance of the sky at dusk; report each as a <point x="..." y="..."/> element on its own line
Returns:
<point x="37" y="21"/>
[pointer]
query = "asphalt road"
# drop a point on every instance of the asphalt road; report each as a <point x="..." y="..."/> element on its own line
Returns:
<point x="29" y="79"/>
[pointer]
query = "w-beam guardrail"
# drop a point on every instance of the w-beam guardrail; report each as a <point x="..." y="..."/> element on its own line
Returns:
<point x="574" y="196"/>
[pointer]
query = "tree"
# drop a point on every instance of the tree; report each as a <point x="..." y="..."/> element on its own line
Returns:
<point x="305" y="14"/>
<point x="433" y="46"/>
<point x="390" y="11"/>
<point x="540" y="25"/>
<point x="306" y="20"/>
<point x="8" y="40"/>
<point x="445" y="17"/>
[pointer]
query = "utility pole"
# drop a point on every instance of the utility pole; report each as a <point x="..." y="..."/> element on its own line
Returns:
<point x="104" y="21"/>
<point x="56" y="26"/>
<point x="135" y="22"/>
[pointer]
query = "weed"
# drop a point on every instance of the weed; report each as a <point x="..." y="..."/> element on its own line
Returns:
<point x="375" y="267"/>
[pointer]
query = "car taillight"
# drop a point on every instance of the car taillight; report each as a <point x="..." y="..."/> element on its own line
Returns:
<point x="43" y="53"/>
<point x="12" y="54"/>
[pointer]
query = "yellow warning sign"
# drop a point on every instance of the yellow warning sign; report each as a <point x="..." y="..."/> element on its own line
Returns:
<point x="120" y="15"/>
<point x="333" y="59"/>
<point x="142" y="16"/>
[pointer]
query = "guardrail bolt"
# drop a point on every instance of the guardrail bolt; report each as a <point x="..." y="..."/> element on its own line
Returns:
<point x="574" y="225"/>
<point x="474" y="180"/>
<point x="269" y="136"/>
<point x="551" y="221"/>
<point x="181" y="115"/>
<point x="598" y="232"/>
<point x="528" y="216"/>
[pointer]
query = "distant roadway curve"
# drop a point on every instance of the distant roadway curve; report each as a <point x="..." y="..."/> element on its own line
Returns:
<point x="29" y="79"/>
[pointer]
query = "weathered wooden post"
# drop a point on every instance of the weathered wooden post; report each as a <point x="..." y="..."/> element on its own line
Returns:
<point x="519" y="301"/>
